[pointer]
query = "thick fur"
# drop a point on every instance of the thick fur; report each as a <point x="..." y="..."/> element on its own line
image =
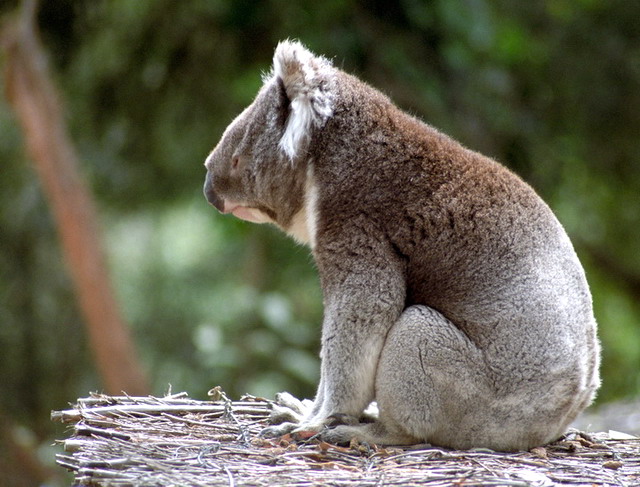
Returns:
<point x="452" y="295"/>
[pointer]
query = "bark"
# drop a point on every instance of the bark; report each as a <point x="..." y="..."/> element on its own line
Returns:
<point x="38" y="107"/>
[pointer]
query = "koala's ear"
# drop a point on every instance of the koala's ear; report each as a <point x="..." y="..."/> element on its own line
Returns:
<point x="306" y="81"/>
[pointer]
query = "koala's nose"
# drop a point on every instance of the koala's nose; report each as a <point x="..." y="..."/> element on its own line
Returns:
<point x="211" y="196"/>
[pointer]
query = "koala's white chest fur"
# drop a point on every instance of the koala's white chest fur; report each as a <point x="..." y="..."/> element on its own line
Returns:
<point x="303" y="223"/>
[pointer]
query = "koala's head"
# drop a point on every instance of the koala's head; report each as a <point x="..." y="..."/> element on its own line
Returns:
<point x="257" y="171"/>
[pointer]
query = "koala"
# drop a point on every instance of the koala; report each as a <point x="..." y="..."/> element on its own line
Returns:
<point x="452" y="295"/>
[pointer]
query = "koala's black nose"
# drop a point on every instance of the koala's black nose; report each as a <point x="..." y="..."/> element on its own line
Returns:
<point x="210" y="194"/>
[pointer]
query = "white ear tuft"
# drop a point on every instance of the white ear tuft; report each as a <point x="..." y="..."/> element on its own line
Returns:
<point x="306" y="79"/>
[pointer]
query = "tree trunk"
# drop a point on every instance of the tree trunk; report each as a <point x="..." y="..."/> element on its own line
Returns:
<point x="34" y="98"/>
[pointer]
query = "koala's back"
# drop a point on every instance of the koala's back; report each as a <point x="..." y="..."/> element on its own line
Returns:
<point x="478" y="244"/>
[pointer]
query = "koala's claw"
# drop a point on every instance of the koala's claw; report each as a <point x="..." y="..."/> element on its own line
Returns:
<point x="278" y="430"/>
<point x="287" y="400"/>
<point x="288" y="409"/>
<point x="280" y="414"/>
<point x="299" y="432"/>
<point x="287" y="415"/>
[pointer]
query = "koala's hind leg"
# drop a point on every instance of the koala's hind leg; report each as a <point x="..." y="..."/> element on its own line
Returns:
<point x="378" y="433"/>
<point x="430" y="380"/>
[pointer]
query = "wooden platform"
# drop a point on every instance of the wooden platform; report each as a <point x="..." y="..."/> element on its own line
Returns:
<point x="175" y="440"/>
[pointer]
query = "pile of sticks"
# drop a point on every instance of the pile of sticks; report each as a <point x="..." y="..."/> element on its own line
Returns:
<point x="176" y="440"/>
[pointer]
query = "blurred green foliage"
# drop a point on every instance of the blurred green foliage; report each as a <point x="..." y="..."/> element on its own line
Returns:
<point x="550" y="88"/>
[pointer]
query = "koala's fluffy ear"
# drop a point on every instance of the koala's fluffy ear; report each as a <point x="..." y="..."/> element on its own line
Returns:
<point x="306" y="80"/>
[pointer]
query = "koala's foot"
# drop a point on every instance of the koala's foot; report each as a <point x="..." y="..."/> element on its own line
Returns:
<point x="287" y="408"/>
<point x="287" y="413"/>
<point x="372" y="433"/>
<point x="316" y="427"/>
<point x="278" y="430"/>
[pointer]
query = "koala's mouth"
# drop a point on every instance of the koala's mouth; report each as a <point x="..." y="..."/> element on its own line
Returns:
<point x="247" y="213"/>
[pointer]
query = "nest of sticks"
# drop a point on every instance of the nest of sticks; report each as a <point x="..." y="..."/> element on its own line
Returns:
<point x="176" y="440"/>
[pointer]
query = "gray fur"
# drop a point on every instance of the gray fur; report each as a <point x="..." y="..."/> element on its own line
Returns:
<point x="452" y="295"/>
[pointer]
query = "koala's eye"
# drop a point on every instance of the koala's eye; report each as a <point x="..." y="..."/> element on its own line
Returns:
<point x="234" y="162"/>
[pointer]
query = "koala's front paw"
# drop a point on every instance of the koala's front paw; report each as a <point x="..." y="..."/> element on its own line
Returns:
<point x="289" y="415"/>
<point x="278" y="430"/>
<point x="298" y="432"/>
<point x="287" y="408"/>
<point x="287" y="412"/>
<point x="320" y="427"/>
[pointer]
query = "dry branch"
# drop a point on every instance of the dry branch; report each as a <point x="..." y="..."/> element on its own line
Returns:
<point x="180" y="441"/>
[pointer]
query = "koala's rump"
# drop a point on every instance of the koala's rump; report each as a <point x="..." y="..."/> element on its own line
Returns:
<point x="485" y="251"/>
